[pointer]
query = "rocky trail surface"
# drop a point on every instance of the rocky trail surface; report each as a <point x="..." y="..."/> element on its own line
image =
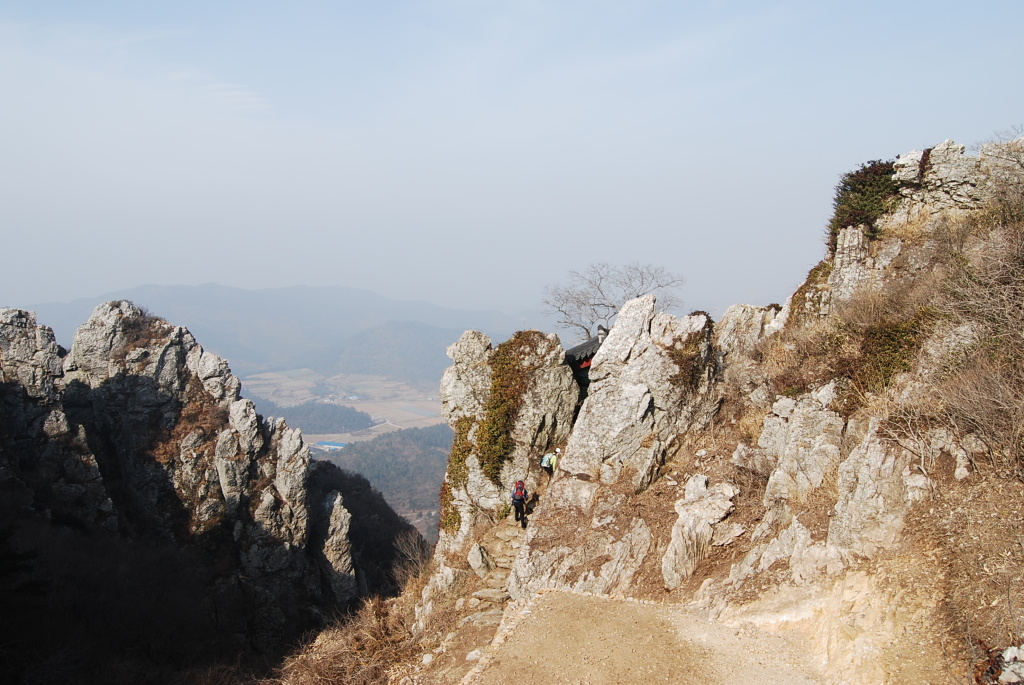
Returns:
<point x="566" y="638"/>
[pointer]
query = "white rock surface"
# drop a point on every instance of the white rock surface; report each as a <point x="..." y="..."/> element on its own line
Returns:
<point x="699" y="510"/>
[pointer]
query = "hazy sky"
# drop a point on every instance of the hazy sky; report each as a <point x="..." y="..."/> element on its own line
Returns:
<point x="466" y="152"/>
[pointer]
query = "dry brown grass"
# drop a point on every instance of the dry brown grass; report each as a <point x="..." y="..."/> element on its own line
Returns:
<point x="736" y="421"/>
<point x="358" y="651"/>
<point x="804" y="356"/>
<point x="983" y="389"/>
<point x="972" y="532"/>
<point x="376" y="643"/>
<point x="866" y="341"/>
<point x="816" y="510"/>
<point x="912" y="229"/>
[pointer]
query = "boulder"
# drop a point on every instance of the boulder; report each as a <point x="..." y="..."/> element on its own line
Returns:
<point x="699" y="510"/>
<point x="877" y="486"/>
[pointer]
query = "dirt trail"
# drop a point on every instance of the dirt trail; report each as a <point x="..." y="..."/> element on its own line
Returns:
<point x="567" y="639"/>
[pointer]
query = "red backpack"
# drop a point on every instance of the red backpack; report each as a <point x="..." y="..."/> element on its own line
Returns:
<point x="519" y="491"/>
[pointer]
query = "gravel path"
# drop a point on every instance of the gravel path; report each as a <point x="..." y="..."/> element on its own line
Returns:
<point x="565" y="639"/>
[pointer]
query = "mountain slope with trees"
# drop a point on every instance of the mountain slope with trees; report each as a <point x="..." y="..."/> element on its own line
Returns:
<point x="407" y="466"/>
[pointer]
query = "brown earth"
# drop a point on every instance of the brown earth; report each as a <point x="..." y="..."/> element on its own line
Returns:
<point x="566" y="639"/>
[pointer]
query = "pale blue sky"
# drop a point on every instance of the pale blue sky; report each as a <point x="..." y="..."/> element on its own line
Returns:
<point x="466" y="152"/>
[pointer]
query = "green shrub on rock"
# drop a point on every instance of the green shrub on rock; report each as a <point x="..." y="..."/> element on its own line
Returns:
<point x="511" y="367"/>
<point x="862" y="197"/>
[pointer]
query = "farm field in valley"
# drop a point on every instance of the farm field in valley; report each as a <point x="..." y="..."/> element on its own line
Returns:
<point x="394" y="404"/>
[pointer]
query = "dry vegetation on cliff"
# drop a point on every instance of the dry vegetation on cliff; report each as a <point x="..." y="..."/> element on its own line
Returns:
<point x="952" y="316"/>
<point x="375" y="643"/>
<point x="935" y="350"/>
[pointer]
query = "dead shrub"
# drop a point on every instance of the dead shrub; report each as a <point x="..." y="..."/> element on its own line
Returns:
<point x="359" y="651"/>
<point x="412" y="555"/>
<point x="983" y="389"/>
<point x="986" y="397"/>
<point x="985" y="286"/>
<point x="1005" y="176"/>
<point x="950" y="234"/>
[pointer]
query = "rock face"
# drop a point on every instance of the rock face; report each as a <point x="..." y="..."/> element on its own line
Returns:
<point x="944" y="178"/>
<point x="45" y="461"/>
<point x="817" y="482"/>
<point x="651" y="381"/>
<point x="699" y="510"/>
<point x="508" y="406"/>
<point x="139" y="435"/>
<point x="640" y="381"/>
<point x="522" y="392"/>
<point x="802" y="437"/>
<point x="182" y="454"/>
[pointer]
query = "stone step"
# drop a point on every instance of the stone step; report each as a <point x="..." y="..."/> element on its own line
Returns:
<point x="497" y="578"/>
<point x="491" y="617"/>
<point x="497" y="596"/>
<point x="508" y="533"/>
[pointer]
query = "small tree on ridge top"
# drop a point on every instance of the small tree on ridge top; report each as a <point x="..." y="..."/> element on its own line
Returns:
<point x="594" y="295"/>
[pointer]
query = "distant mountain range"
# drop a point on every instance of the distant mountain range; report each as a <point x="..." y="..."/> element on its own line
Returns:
<point x="329" y="329"/>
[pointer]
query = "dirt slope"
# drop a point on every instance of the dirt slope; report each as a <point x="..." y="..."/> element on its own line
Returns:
<point x="565" y="638"/>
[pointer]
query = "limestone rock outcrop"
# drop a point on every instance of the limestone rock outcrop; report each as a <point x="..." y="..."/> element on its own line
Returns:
<point x="652" y="380"/>
<point x="877" y="485"/>
<point x="735" y="341"/>
<point x="699" y="510"/>
<point x="943" y="177"/>
<point x="45" y="460"/>
<point x="805" y="416"/>
<point x="799" y="443"/>
<point x="139" y="435"/>
<point x="642" y="385"/>
<point x="168" y="425"/>
<point x="521" y="392"/>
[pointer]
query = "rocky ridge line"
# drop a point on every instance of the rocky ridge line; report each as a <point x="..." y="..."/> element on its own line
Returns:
<point x="800" y="572"/>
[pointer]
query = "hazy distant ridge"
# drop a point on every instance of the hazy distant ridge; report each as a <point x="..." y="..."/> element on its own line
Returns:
<point x="259" y="330"/>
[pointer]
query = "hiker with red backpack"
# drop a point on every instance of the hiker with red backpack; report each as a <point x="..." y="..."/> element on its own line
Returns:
<point x="519" y="497"/>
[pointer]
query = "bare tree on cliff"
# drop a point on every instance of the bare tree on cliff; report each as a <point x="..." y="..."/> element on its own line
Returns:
<point x="595" y="295"/>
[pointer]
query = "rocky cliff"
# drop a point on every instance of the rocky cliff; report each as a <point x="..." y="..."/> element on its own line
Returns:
<point x="805" y="469"/>
<point x="131" y="469"/>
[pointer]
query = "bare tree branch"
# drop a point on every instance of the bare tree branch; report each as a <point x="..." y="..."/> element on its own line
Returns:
<point x="594" y="295"/>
